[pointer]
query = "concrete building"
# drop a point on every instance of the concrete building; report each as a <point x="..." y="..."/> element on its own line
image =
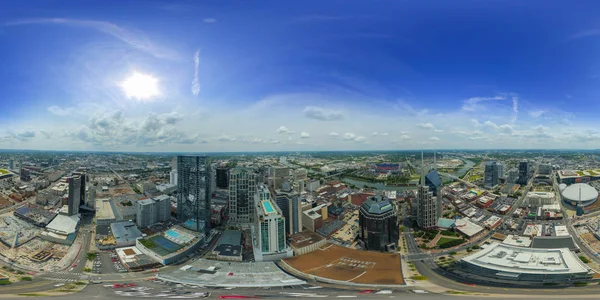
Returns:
<point x="173" y="177"/>
<point x="426" y="208"/>
<point x="290" y="204"/>
<point x="300" y="174"/>
<point x="313" y="185"/>
<point x="152" y="211"/>
<point x="242" y="191"/>
<point x="280" y="175"/>
<point x="378" y="221"/>
<point x="579" y="194"/>
<point x="512" y="175"/>
<point x="269" y="238"/>
<point x="505" y="262"/>
<point x="305" y="242"/>
<point x="313" y="218"/>
<point x="146" y="213"/>
<point x="193" y="192"/>
<point x="541" y="198"/>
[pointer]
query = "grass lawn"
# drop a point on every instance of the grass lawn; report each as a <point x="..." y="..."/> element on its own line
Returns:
<point x="3" y="172"/>
<point x="444" y="240"/>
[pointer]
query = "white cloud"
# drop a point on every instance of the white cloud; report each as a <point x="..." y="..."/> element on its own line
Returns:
<point x="321" y="114"/>
<point x="196" y="81"/>
<point x="360" y="139"/>
<point x="504" y="129"/>
<point x="61" y="111"/>
<point x="384" y="134"/>
<point x="403" y="107"/>
<point x="226" y="138"/>
<point x="429" y="126"/>
<point x="349" y="136"/>
<point x="209" y="20"/>
<point x="472" y="104"/>
<point x="304" y="135"/>
<point x="405" y="137"/>
<point x="333" y="134"/>
<point x="284" y="130"/>
<point x="515" y="107"/>
<point x="537" y="113"/>
<point x="434" y="138"/>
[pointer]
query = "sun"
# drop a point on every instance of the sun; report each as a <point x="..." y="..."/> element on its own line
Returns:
<point x="140" y="86"/>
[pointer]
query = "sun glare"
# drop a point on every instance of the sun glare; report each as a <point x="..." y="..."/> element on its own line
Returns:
<point x="140" y="86"/>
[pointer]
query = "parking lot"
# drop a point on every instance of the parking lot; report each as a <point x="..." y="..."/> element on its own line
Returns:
<point x="107" y="262"/>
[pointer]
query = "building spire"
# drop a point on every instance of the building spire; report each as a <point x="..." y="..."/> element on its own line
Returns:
<point x="422" y="167"/>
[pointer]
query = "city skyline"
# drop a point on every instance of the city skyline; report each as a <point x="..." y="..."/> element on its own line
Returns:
<point x="214" y="77"/>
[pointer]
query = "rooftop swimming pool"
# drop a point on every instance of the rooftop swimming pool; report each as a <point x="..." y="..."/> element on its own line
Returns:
<point x="268" y="207"/>
<point x="177" y="237"/>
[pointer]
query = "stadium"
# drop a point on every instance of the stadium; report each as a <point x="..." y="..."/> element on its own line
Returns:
<point x="5" y="174"/>
<point x="579" y="194"/>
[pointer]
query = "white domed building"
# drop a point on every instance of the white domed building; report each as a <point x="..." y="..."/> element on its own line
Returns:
<point x="579" y="194"/>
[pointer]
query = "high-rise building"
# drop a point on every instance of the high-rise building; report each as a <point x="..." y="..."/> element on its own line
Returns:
<point x="242" y="190"/>
<point x="152" y="211"/>
<point x="524" y="170"/>
<point x="512" y="175"/>
<point x="74" y="201"/>
<point x="82" y="190"/>
<point x="500" y="170"/>
<point x="300" y="174"/>
<point x="11" y="165"/>
<point x="146" y="213"/>
<point x="269" y="228"/>
<point x="491" y="174"/>
<point x="222" y="178"/>
<point x="378" y="221"/>
<point x="173" y="177"/>
<point x="280" y="175"/>
<point x="193" y="192"/>
<point x="290" y="204"/>
<point x="426" y="204"/>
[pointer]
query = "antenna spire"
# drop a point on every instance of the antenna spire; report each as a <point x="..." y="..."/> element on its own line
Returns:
<point x="422" y="167"/>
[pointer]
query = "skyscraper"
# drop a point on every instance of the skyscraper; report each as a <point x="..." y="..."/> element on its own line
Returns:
<point x="378" y="221"/>
<point x="222" y="178"/>
<point x="82" y="191"/>
<point x="242" y="189"/>
<point x="491" y="173"/>
<point x="269" y="228"/>
<point x="193" y="192"/>
<point x="75" y="183"/>
<point x="290" y="204"/>
<point x="512" y="175"/>
<point x="524" y="170"/>
<point x="426" y="204"/>
<point x="280" y="176"/>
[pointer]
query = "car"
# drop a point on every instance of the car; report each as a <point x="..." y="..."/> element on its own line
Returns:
<point x="367" y="292"/>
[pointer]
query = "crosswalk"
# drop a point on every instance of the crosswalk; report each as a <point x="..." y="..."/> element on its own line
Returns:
<point x="64" y="276"/>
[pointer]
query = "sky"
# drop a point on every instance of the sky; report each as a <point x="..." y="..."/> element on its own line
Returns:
<point x="205" y="76"/>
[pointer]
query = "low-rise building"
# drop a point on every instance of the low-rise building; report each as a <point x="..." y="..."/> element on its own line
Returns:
<point x="305" y="242"/>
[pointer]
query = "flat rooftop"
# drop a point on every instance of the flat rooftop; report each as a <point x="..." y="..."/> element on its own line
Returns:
<point x="344" y="264"/>
<point x="506" y="258"/>
<point x="104" y="209"/>
<point x="125" y="232"/>
<point x="304" y="238"/>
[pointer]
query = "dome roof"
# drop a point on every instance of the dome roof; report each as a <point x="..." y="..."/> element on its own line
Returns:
<point x="562" y="187"/>
<point x="580" y="192"/>
<point x="377" y="205"/>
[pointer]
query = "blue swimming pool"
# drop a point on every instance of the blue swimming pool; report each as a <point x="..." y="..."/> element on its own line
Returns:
<point x="268" y="207"/>
<point x="173" y="234"/>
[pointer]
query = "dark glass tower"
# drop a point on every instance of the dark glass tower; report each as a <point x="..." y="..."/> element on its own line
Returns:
<point x="193" y="192"/>
<point x="378" y="220"/>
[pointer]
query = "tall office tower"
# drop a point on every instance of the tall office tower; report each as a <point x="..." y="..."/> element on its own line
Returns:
<point x="426" y="204"/>
<point x="82" y="190"/>
<point x="512" y="175"/>
<point x="222" y="178"/>
<point x="280" y="176"/>
<point x="500" y="170"/>
<point x="269" y="228"/>
<point x="163" y="208"/>
<point x="491" y="173"/>
<point x="242" y="189"/>
<point x="290" y="204"/>
<point x="11" y="165"/>
<point x="145" y="213"/>
<point x="173" y="177"/>
<point x="74" y="194"/>
<point x="193" y="192"/>
<point x="524" y="170"/>
<point x="378" y="221"/>
<point x="300" y="174"/>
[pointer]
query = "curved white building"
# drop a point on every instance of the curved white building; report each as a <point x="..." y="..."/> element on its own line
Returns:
<point x="580" y="194"/>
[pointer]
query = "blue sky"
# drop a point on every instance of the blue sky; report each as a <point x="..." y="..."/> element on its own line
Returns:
<point x="302" y="75"/>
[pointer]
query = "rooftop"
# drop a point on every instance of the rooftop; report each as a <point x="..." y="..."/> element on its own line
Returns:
<point x="125" y="232"/>
<point x="304" y="238"/>
<point x="377" y="205"/>
<point x="506" y="258"/>
<point x="104" y="209"/>
<point x="231" y="237"/>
